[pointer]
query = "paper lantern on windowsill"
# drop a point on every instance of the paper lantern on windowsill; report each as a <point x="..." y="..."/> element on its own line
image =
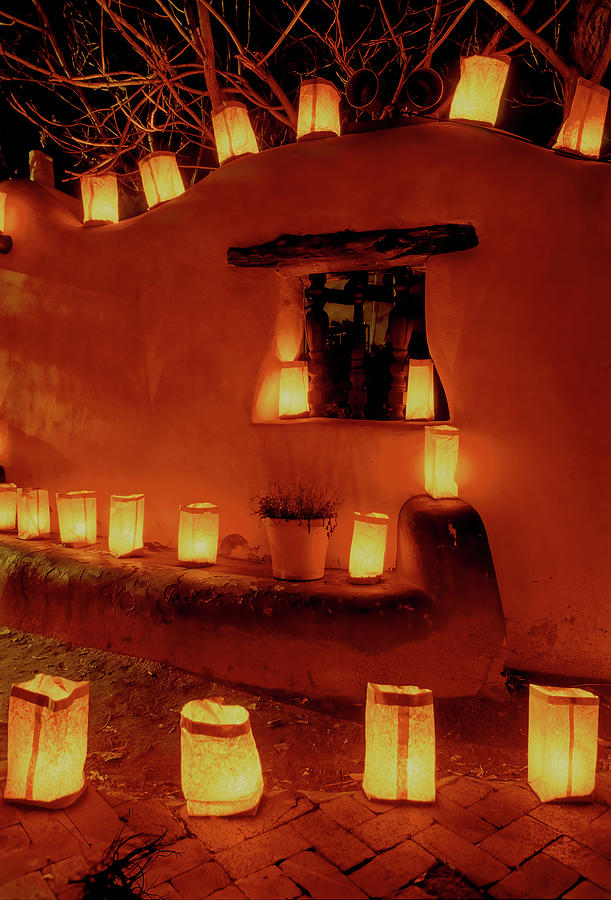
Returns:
<point x="368" y="547"/>
<point x="47" y="741"/>
<point x="220" y="767"/>
<point x="582" y="130"/>
<point x="562" y="742"/>
<point x="100" y="199"/>
<point x="478" y="93"/>
<point x="318" y="109"/>
<point x="125" y="531"/>
<point x="161" y="178"/>
<point x="399" y="743"/>
<point x="198" y="534"/>
<point x="76" y="513"/>
<point x="440" y="460"/>
<point x="293" y="392"/>
<point x="8" y="507"/>
<point x="420" y="403"/>
<point x="33" y="514"/>
<point x="233" y="132"/>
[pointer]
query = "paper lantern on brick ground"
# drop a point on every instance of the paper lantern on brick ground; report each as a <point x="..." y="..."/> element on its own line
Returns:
<point x="293" y="391"/>
<point x="479" y="91"/>
<point x="582" y="130"/>
<point x="8" y="507"/>
<point x="562" y="742"/>
<point x="440" y="460"/>
<point x="47" y="741"/>
<point x="161" y="178"/>
<point x="220" y="766"/>
<point x="100" y="199"/>
<point x="399" y="743"/>
<point x="125" y="531"/>
<point x="318" y="109"/>
<point x="33" y="514"/>
<point x="368" y="547"/>
<point x="198" y="534"/>
<point x="76" y="513"/>
<point x="420" y="403"/>
<point x="233" y="132"/>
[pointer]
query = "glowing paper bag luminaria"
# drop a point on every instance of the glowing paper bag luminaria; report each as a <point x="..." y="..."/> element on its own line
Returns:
<point x="399" y="743"/>
<point x="220" y="767"/>
<point x="318" y="109"/>
<point x="440" y="460"/>
<point x="33" y="514"/>
<point x="198" y="534"/>
<point x="293" y="391"/>
<point x="233" y="132"/>
<point x="76" y="513"/>
<point x="161" y="178"/>
<point x="562" y="742"/>
<point x="582" y="130"/>
<point x="126" y="528"/>
<point x="368" y="547"/>
<point x="47" y="741"/>
<point x="479" y="91"/>
<point x="420" y="403"/>
<point x="8" y="507"/>
<point x="100" y="199"/>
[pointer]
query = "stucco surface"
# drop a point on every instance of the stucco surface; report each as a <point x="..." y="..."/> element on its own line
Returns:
<point x="132" y="356"/>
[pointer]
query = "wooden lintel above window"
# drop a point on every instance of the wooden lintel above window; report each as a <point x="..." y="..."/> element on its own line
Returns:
<point x="342" y="250"/>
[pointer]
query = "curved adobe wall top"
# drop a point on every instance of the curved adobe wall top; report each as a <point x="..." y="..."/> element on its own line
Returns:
<point x="131" y="356"/>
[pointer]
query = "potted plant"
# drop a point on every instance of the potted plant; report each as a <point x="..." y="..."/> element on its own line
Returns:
<point x="299" y="520"/>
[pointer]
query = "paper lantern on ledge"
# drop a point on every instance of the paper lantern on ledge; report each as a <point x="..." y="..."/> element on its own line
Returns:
<point x="399" y="743"/>
<point x="293" y="392"/>
<point x="8" y="507"/>
<point x="161" y="178"/>
<point x="76" y="513"/>
<point x="198" y="534"/>
<point x="233" y="132"/>
<point x="368" y="547"/>
<point x="125" y="531"/>
<point x="420" y="402"/>
<point x="440" y="460"/>
<point x="47" y="741"/>
<point x="582" y="130"/>
<point x="33" y="514"/>
<point x="220" y="767"/>
<point x="562" y="742"/>
<point x="100" y="199"/>
<point x="480" y="88"/>
<point x="318" y="109"/>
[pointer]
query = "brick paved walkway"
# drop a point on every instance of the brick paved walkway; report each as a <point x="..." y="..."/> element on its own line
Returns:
<point x="481" y="838"/>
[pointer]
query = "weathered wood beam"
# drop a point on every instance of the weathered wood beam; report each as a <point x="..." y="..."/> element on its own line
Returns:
<point x="381" y="245"/>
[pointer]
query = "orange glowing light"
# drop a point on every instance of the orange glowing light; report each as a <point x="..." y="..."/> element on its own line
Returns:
<point x="440" y="460"/>
<point x="233" y="132"/>
<point x="33" y="514"/>
<point x="368" y="547"/>
<point x="562" y="742"/>
<point x="8" y="507"/>
<point x="220" y="767"/>
<point x="479" y="91"/>
<point x="399" y="743"/>
<point x="420" y="403"/>
<point x="582" y="130"/>
<point x="47" y="741"/>
<point x="198" y="534"/>
<point x="161" y="178"/>
<point x="125" y="531"/>
<point x="293" y="392"/>
<point x="100" y="198"/>
<point x="318" y="109"/>
<point x="2" y="211"/>
<point x="76" y="512"/>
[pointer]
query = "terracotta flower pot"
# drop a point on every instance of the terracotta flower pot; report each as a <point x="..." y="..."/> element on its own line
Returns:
<point x="299" y="548"/>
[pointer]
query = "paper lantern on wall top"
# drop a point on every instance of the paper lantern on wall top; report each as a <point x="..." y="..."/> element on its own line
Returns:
<point x="582" y="130"/>
<point x="76" y="513"/>
<point x="440" y="460"/>
<point x="126" y="528"/>
<point x="293" y="392"/>
<point x="399" y="743"/>
<point x="198" y="534"/>
<point x="33" y="514"/>
<point x="8" y="507"/>
<point x="233" y="132"/>
<point x="562" y="742"/>
<point x="161" y="178"/>
<point x="479" y="91"/>
<point x="368" y="547"/>
<point x="220" y="767"/>
<point x="47" y="741"/>
<point x="420" y="402"/>
<point x="318" y="109"/>
<point x="100" y="199"/>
